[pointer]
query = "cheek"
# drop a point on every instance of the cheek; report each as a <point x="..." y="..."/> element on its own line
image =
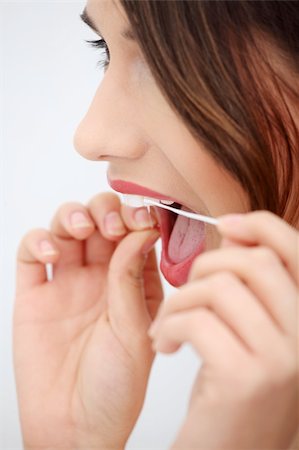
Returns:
<point x="202" y="177"/>
<point x="222" y="191"/>
<point x="215" y="186"/>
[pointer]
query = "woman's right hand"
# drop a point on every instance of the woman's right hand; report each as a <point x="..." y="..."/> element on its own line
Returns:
<point x="81" y="350"/>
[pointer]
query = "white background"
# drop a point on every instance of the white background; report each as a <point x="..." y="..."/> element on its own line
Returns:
<point x="48" y="77"/>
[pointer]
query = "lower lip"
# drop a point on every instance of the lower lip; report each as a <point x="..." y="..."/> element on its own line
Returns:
<point x="175" y="273"/>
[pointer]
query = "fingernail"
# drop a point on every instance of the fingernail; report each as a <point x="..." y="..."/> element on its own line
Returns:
<point x="143" y="218"/>
<point x="79" y="220"/>
<point x="114" y="224"/>
<point x="47" y="248"/>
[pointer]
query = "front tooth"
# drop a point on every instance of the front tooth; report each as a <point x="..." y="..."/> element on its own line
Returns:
<point x="166" y="202"/>
<point x="135" y="201"/>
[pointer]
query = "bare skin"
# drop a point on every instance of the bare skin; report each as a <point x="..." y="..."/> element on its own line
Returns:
<point x="239" y="310"/>
<point x="82" y="353"/>
<point x="81" y="345"/>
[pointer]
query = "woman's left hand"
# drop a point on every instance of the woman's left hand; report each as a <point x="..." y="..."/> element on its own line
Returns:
<point x="239" y="310"/>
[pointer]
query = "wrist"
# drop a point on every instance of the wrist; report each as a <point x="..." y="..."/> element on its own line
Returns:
<point x="78" y="441"/>
<point x="83" y="445"/>
<point x="88" y="440"/>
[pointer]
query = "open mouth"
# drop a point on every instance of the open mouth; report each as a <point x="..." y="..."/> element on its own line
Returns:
<point x="182" y="240"/>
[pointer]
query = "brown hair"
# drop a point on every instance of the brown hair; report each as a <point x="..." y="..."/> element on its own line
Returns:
<point x="226" y="68"/>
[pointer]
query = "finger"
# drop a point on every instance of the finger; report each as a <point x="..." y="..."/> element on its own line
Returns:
<point x="226" y="242"/>
<point x="153" y="289"/>
<point x="233" y="303"/>
<point x="82" y="244"/>
<point x="108" y="214"/>
<point x="72" y="220"/>
<point x="205" y="332"/>
<point x="126" y="300"/>
<point x="263" y="227"/>
<point x="114" y="220"/>
<point x="70" y="226"/>
<point x="33" y="253"/>
<point x="138" y="218"/>
<point x="261" y="270"/>
<point x="98" y="250"/>
<point x="104" y="209"/>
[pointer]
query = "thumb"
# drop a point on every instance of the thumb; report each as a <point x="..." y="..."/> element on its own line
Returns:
<point x="126" y="297"/>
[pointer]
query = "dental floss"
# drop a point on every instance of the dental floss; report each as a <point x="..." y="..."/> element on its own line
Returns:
<point x="49" y="271"/>
<point x="149" y="213"/>
<point x="190" y="215"/>
<point x="137" y="201"/>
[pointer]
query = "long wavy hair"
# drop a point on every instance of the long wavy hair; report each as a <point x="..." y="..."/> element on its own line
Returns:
<point x="229" y="69"/>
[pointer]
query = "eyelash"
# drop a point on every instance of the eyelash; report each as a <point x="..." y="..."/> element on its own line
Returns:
<point x="101" y="44"/>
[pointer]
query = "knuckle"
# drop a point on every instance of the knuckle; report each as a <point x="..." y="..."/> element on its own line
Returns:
<point x="125" y="275"/>
<point x="103" y="198"/>
<point x="201" y="318"/>
<point x="134" y="276"/>
<point x="132" y="279"/>
<point x="61" y="216"/>
<point x="221" y="281"/>
<point x="173" y="303"/>
<point x="262" y="215"/>
<point x="196" y="267"/>
<point x="28" y="245"/>
<point x="201" y="262"/>
<point x="66" y="207"/>
<point x="32" y="235"/>
<point x="264" y="256"/>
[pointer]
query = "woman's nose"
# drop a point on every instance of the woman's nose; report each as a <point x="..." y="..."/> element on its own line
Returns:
<point x="110" y="128"/>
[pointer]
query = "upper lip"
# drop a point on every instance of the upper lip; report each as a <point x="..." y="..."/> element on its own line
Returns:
<point x="127" y="187"/>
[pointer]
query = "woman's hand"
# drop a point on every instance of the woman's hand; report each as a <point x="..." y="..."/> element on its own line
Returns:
<point x="81" y="350"/>
<point x="239" y="310"/>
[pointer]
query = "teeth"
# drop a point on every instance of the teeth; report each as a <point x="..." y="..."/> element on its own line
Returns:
<point x="135" y="201"/>
<point x="167" y="202"/>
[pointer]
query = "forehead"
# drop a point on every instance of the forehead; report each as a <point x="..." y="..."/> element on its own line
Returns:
<point x="106" y="12"/>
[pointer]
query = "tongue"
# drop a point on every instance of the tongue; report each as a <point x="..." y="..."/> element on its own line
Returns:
<point x="185" y="237"/>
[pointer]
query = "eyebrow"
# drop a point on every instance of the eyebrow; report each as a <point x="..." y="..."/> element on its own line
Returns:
<point x="127" y="34"/>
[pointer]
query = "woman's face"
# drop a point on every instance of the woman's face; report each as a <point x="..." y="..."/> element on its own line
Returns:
<point x="130" y="125"/>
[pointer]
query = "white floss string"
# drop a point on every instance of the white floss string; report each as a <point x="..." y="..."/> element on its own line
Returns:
<point x="180" y="212"/>
<point x="137" y="201"/>
<point x="49" y="271"/>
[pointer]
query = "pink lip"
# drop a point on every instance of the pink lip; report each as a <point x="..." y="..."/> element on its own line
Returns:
<point x="126" y="187"/>
<point x="176" y="274"/>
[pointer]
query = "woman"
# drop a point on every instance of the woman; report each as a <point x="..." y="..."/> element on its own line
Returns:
<point x="198" y="106"/>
